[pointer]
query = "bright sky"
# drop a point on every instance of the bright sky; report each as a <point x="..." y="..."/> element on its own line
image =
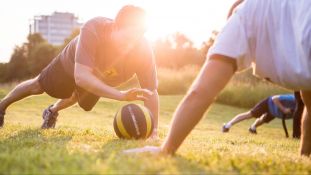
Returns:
<point x="195" y="18"/>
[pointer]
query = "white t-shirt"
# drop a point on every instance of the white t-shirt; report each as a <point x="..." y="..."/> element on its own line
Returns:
<point x="272" y="36"/>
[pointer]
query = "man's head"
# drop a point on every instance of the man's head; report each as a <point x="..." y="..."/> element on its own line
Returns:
<point x="130" y="25"/>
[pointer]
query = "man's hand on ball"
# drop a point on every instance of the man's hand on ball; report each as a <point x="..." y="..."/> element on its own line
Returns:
<point x="136" y="94"/>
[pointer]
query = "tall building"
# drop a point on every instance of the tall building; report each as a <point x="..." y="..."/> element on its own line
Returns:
<point x="55" y="28"/>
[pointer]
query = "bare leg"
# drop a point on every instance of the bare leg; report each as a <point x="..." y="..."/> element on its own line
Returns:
<point x="51" y="113"/>
<point x="305" y="144"/>
<point x="238" y="118"/>
<point x="22" y="90"/>
<point x="258" y="122"/>
<point x="64" y="103"/>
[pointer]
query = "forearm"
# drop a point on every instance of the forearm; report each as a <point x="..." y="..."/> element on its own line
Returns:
<point x="153" y="105"/>
<point x="211" y="80"/>
<point x="88" y="81"/>
<point x="277" y="102"/>
<point x="188" y="114"/>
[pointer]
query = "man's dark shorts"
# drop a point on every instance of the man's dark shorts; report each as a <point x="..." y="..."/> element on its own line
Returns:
<point x="262" y="108"/>
<point x="58" y="84"/>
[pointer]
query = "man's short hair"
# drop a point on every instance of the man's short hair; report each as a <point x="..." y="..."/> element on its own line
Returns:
<point x="131" y="16"/>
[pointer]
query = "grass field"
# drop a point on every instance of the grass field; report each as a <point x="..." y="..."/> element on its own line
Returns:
<point x="85" y="143"/>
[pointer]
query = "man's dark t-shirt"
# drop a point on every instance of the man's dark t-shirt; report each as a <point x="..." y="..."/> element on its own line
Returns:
<point x="94" y="49"/>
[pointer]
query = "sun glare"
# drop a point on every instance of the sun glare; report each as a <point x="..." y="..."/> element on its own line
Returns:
<point x="196" y="19"/>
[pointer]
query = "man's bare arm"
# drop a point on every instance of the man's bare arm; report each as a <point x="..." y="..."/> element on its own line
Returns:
<point x="85" y="78"/>
<point x="213" y="77"/>
<point x="282" y="108"/>
<point x="153" y="105"/>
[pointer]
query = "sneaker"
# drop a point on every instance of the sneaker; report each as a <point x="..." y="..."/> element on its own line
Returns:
<point x="252" y="131"/>
<point x="49" y="118"/>
<point x="224" y="128"/>
<point x="2" y="119"/>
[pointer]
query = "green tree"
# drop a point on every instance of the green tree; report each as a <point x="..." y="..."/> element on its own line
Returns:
<point x="33" y="40"/>
<point x="31" y="57"/>
<point x="40" y="56"/>
<point x="17" y="68"/>
<point x="39" y="53"/>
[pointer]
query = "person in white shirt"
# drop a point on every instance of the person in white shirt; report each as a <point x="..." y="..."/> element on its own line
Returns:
<point x="271" y="36"/>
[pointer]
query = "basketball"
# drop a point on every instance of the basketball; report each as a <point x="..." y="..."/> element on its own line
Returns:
<point x="133" y="121"/>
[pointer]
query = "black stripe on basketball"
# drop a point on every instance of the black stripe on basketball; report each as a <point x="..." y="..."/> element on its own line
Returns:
<point x="115" y="126"/>
<point x="134" y="121"/>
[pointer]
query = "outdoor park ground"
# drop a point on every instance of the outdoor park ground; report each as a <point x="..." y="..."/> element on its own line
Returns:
<point x="85" y="143"/>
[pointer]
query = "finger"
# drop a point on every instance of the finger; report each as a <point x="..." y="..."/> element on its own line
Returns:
<point x="134" y="90"/>
<point x="142" y="98"/>
<point x="149" y="92"/>
<point x="145" y="92"/>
